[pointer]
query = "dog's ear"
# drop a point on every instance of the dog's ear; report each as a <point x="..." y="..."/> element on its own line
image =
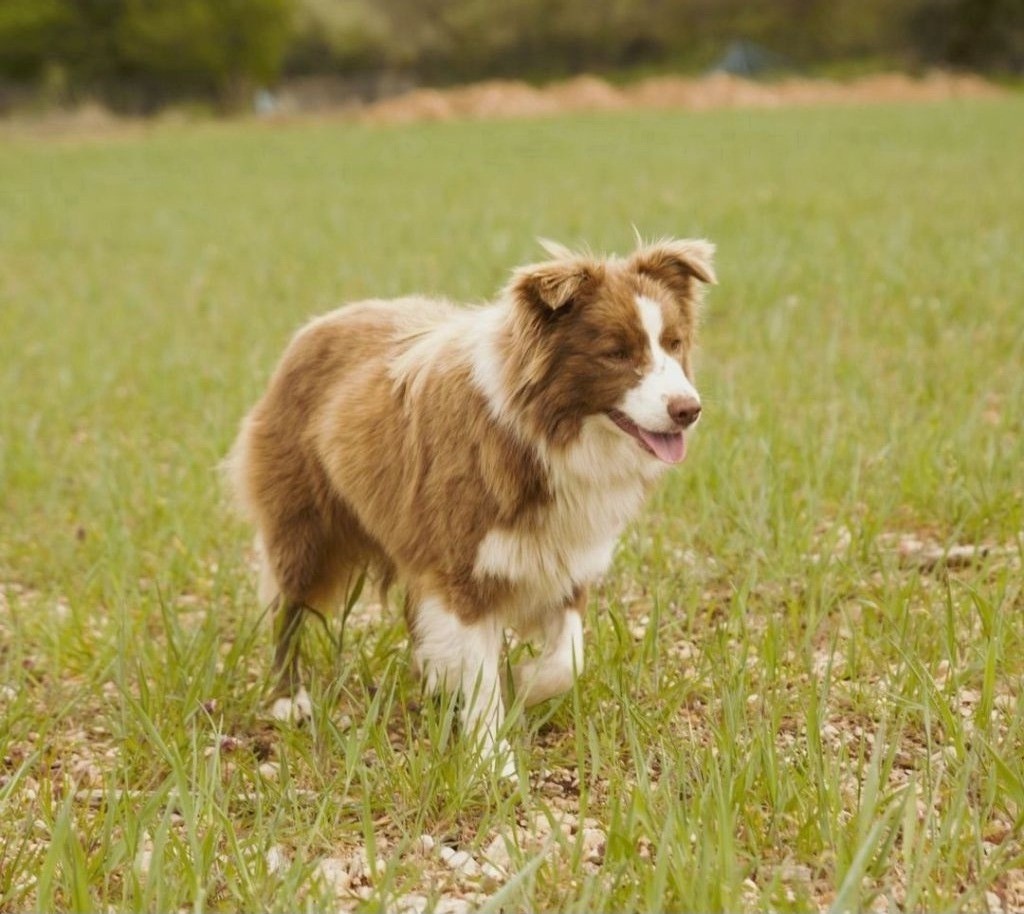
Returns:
<point x="677" y="264"/>
<point x="556" y="284"/>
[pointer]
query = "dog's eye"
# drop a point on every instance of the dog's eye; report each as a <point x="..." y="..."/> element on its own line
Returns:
<point x="675" y="346"/>
<point x="617" y="355"/>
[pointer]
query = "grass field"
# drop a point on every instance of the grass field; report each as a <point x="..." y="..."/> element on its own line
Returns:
<point x="796" y="696"/>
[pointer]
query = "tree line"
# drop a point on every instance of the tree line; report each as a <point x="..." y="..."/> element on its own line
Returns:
<point x="138" y="54"/>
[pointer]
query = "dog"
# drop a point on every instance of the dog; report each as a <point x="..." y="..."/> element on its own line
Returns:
<point x="487" y="458"/>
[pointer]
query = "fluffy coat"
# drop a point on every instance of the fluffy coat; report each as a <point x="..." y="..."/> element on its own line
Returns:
<point x="488" y="458"/>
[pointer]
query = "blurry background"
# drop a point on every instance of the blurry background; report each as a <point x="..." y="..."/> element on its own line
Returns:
<point x="137" y="56"/>
<point x="805" y="671"/>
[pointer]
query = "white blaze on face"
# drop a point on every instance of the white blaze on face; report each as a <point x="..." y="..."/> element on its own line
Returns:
<point x="647" y="403"/>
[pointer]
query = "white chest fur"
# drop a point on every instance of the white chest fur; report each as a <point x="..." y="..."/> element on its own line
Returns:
<point x="572" y="540"/>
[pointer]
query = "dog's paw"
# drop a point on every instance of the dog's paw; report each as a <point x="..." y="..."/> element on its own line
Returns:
<point x="505" y="764"/>
<point x="294" y="709"/>
<point x="507" y="773"/>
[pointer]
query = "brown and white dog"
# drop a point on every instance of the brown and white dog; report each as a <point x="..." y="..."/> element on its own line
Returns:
<point x="488" y="458"/>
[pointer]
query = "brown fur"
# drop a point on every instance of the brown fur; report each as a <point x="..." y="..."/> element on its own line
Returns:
<point x="348" y="463"/>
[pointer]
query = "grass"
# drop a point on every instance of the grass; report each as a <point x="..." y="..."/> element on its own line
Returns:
<point x="789" y="703"/>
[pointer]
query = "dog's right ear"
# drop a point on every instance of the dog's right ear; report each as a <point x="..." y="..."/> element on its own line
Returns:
<point x="556" y="284"/>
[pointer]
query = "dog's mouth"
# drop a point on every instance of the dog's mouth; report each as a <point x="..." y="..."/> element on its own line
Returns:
<point x="668" y="447"/>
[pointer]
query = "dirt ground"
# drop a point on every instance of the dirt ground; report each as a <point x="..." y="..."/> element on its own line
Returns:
<point x="509" y="99"/>
<point x="517" y="99"/>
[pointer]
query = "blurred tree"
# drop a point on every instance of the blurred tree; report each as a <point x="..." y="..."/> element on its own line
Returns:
<point x="140" y="53"/>
<point x="29" y="30"/>
<point x="224" y="47"/>
<point x="67" y="43"/>
<point x="459" y="39"/>
<point x="163" y="48"/>
<point x="87" y="44"/>
<point x="339" y="36"/>
<point x="982" y="34"/>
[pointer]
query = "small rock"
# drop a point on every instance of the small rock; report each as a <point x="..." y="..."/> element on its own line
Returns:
<point x="424" y="844"/>
<point x="492" y="874"/>
<point x="538" y="827"/>
<point x="448" y="904"/>
<point x="969" y="699"/>
<point x="993" y="902"/>
<point x="269" y="771"/>
<point x="750" y="894"/>
<point x="361" y="871"/>
<point x="795" y="872"/>
<point x="294" y="710"/>
<point x="275" y="859"/>
<point x="1005" y="702"/>
<point x="496" y="853"/>
<point x="334" y="873"/>
<point x="997" y="831"/>
<point x="460" y="861"/>
<point x="594" y="843"/>
<point x="410" y="904"/>
<point x="144" y="856"/>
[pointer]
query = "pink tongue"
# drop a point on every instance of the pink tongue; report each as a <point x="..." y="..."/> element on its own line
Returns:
<point x="666" y="447"/>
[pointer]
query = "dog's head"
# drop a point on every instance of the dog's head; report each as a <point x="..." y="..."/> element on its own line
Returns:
<point x="606" y="343"/>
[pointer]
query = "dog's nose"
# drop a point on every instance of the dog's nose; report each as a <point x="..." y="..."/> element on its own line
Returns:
<point x="684" y="410"/>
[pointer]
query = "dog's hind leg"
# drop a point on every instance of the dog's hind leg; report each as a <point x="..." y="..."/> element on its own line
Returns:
<point x="291" y="700"/>
<point x="561" y="659"/>
<point x="287" y="621"/>
<point x="296" y="556"/>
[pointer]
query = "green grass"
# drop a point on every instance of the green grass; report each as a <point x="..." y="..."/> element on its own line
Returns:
<point x="780" y="710"/>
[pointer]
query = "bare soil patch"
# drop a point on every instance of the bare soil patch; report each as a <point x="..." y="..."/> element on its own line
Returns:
<point x="504" y="99"/>
<point x="513" y="99"/>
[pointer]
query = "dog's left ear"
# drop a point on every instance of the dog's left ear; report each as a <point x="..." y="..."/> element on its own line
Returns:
<point x="676" y="264"/>
<point x="556" y="284"/>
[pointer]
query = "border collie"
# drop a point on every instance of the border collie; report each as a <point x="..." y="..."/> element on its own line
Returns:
<point x="487" y="458"/>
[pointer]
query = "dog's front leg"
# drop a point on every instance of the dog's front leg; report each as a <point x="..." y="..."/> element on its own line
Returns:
<point x="455" y="655"/>
<point x="561" y="659"/>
